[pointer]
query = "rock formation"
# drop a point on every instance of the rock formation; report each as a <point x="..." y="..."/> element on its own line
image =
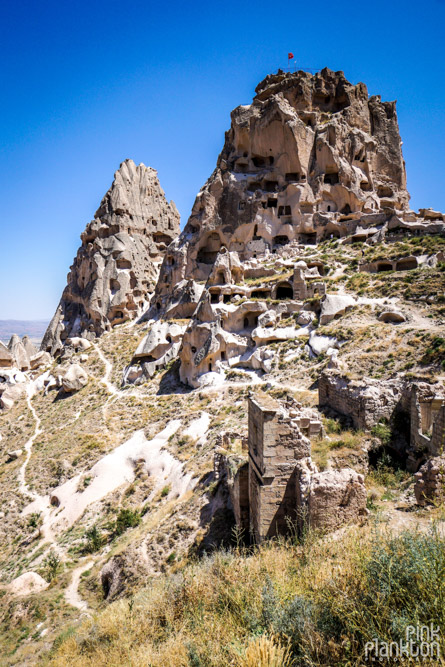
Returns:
<point x="311" y="157"/>
<point x="116" y="267"/>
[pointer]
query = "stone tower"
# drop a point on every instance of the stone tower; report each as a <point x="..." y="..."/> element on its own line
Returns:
<point x="276" y="445"/>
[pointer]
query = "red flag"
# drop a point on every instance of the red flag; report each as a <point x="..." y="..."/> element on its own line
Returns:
<point x="290" y="56"/>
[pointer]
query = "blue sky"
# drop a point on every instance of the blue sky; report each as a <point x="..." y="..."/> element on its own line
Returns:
<point x="85" y="85"/>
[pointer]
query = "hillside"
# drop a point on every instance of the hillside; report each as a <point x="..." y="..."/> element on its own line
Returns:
<point x="229" y="450"/>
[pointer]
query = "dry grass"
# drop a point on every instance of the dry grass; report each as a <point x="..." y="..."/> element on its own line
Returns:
<point x="315" y="603"/>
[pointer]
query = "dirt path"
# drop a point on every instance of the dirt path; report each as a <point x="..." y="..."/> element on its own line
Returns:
<point x="105" y="379"/>
<point x="40" y="504"/>
<point x="72" y="591"/>
<point x="23" y="486"/>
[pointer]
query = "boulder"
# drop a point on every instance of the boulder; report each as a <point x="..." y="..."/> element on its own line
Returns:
<point x="74" y="379"/>
<point x="40" y="359"/>
<point x="335" y="305"/>
<point x="429" y="487"/>
<point x="159" y="339"/>
<point x="27" y="583"/>
<point x="14" y="454"/>
<point x="321" y="344"/>
<point x="160" y="346"/>
<point x="336" y="498"/>
<point x="11" y="394"/>
<point x="261" y="335"/>
<point x="267" y="319"/>
<point x="304" y="318"/>
<point x="78" y="343"/>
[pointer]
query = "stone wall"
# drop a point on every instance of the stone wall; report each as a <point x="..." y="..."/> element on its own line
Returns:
<point x="366" y="403"/>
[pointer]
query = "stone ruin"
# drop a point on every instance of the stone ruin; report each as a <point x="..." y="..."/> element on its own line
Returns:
<point x="117" y="265"/>
<point x="417" y="409"/>
<point x="279" y="489"/>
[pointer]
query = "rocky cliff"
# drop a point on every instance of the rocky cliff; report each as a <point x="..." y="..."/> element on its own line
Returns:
<point x="116" y="266"/>
<point x="311" y="157"/>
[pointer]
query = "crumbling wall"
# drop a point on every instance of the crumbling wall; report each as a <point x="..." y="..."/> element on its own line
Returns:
<point x="366" y="403"/>
<point x="335" y="498"/>
<point x="430" y="482"/>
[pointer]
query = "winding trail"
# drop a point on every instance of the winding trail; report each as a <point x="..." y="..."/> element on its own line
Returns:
<point x="72" y="591"/>
<point x="105" y="379"/>
<point x="23" y="486"/>
<point x="107" y="474"/>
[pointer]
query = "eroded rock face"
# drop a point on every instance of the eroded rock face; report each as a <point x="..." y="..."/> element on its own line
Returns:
<point x="430" y="482"/>
<point x="336" y="498"/>
<point x="334" y="305"/>
<point x="117" y="265"/>
<point x="6" y="358"/>
<point x="160" y="345"/>
<point x="311" y="157"/>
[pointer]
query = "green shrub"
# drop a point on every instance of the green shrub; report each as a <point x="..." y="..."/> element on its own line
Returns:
<point x="93" y="540"/>
<point x="51" y="566"/>
<point x="127" y="518"/>
<point x="383" y="432"/>
<point x="289" y="620"/>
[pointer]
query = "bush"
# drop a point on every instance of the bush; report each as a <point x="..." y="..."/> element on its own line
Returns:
<point x="51" y="566"/>
<point x="288" y="620"/>
<point x="93" y="540"/>
<point x="333" y="425"/>
<point x="322" y="600"/>
<point x="127" y="518"/>
<point x="35" y="520"/>
<point x="400" y="583"/>
<point x="383" y="432"/>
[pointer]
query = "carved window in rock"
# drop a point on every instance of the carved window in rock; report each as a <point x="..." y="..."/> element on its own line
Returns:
<point x="281" y="239"/>
<point x="271" y="186"/>
<point x="292" y="177"/>
<point x="208" y="253"/>
<point x="241" y="205"/>
<point x="331" y="178"/>
<point x="284" y="211"/>
<point x="284" y="291"/>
